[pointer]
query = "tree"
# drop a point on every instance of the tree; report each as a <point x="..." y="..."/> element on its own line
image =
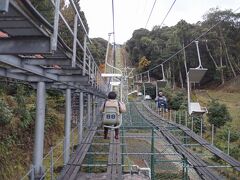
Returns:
<point x="219" y="47"/>
<point x="218" y="114"/>
<point x="143" y="63"/>
<point x="98" y="49"/>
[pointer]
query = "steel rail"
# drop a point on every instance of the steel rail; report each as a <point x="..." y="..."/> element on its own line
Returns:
<point x="230" y="160"/>
<point x="198" y="164"/>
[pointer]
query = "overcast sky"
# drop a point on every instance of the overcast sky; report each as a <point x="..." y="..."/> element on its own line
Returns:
<point x="133" y="14"/>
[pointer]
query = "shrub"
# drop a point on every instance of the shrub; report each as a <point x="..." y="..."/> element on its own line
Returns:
<point x="178" y="101"/>
<point x="5" y="113"/>
<point x="218" y="114"/>
<point x="21" y="109"/>
<point x="223" y="134"/>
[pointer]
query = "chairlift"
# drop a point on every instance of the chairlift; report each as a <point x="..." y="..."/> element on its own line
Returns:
<point x="195" y="75"/>
<point x="112" y="119"/>
<point x="138" y="82"/>
<point x="148" y="83"/>
<point x="161" y="83"/>
<point x="195" y="109"/>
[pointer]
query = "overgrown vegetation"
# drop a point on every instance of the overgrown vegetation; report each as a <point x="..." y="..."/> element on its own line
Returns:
<point x="218" y="114"/>
<point x="17" y="122"/>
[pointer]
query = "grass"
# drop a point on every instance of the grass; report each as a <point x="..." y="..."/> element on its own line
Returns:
<point x="230" y="99"/>
<point x="230" y="96"/>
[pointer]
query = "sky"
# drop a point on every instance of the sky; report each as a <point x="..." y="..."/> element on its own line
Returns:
<point x="133" y="14"/>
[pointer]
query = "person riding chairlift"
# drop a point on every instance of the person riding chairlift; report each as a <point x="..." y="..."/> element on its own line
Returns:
<point x="161" y="101"/>
<point x="111" y="102"/>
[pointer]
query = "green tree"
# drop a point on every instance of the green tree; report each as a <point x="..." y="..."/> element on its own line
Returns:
<point x="218" y="114"/>
<point x="98" y="49"/>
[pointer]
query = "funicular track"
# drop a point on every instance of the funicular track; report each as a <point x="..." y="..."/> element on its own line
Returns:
<point x="164" y="126"/>
<point x="114" y="169"/>
<point x="230" y="160"/>
<point x="198" y="164"/>
<point x="73" y="166"/>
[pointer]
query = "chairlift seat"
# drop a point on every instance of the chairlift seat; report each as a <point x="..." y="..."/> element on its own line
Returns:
<point x="196" y="110"/>
<point x="147" y="83"/>
<point x="111" y="116"/>
<point x="161" y="83"/>
<point x="196" y="74"/>
<point x="137" y="83"/>
<point x="135" y="91"/>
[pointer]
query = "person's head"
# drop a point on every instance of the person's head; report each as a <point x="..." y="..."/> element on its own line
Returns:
<point x="160" y="93"/>
<point x="112" y="95"/>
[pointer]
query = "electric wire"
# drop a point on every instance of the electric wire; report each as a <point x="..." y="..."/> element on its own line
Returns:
<point x="150" y="14"/>
<point x="168" y="13"/>
<point x="114" y="40"/>
<point x="172" y="56"/>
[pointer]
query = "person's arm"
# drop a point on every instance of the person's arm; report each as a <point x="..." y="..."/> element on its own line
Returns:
<point x="165" y="99"/>
<point x="122" y="107"/>
<point x="102" y="107"/>
<point x="156" y="99"/>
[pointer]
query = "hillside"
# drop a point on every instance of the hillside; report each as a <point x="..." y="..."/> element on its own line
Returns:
<point x="17" y="122"/>
<point x="218" y="45"/>
<point x="228" y="94"/>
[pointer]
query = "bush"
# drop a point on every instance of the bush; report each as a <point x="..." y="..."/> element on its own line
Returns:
<point x="178" y="101"/>
<point x="21" y="109"/>
<point x="218" y="114"/>
<point x="223" y="134"/>
<point x="5" y="113"/>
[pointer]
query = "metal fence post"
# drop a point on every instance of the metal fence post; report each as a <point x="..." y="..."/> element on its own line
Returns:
<point x="89" y="111"/>
<point x="55" y="26"/>
<point x="152" y="156"/>
<point x="84" y="55"/>
<point x="185" y="168"/>
<point x="80" y="124"/>
<point x="122" y="148"/>
<point x="175" y="116"/>
<point x="4" y="5"/>
<point x="67" y="125"/>
<point x="39" y="129"/>
<point x="192" y="124"/>
<point x="186" y="119"/>
<point x="228" y="148"/>
<point x="74" y="41"/>
<point x="32" y="177"/>
<point x="179" y="117"/>
<point x="52" y="165"/>
<point x="170" y="115"/>
<point x="212" y="133"/>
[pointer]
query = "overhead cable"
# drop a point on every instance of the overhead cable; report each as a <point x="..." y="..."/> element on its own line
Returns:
<point x="114" y="41"/>
<point x="203" y="34"/>
<point x="168" y="13"/>
<point x="150" y="13"/>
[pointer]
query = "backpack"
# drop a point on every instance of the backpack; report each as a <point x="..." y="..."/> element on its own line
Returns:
<point x="160" y="101"/>
<point x="111" y="115"/>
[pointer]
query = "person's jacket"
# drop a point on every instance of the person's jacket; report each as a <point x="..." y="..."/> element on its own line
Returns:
<point x="161" y="99"/>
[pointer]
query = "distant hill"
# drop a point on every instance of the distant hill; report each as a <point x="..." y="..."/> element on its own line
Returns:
<point x="219" y="48"/>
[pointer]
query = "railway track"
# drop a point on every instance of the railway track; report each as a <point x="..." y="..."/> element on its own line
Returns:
<point x="198" y="164"/>
<point x="228" y="159"/>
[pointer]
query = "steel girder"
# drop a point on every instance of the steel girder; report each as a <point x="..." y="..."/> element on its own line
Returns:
<point x="25" y="45"/>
